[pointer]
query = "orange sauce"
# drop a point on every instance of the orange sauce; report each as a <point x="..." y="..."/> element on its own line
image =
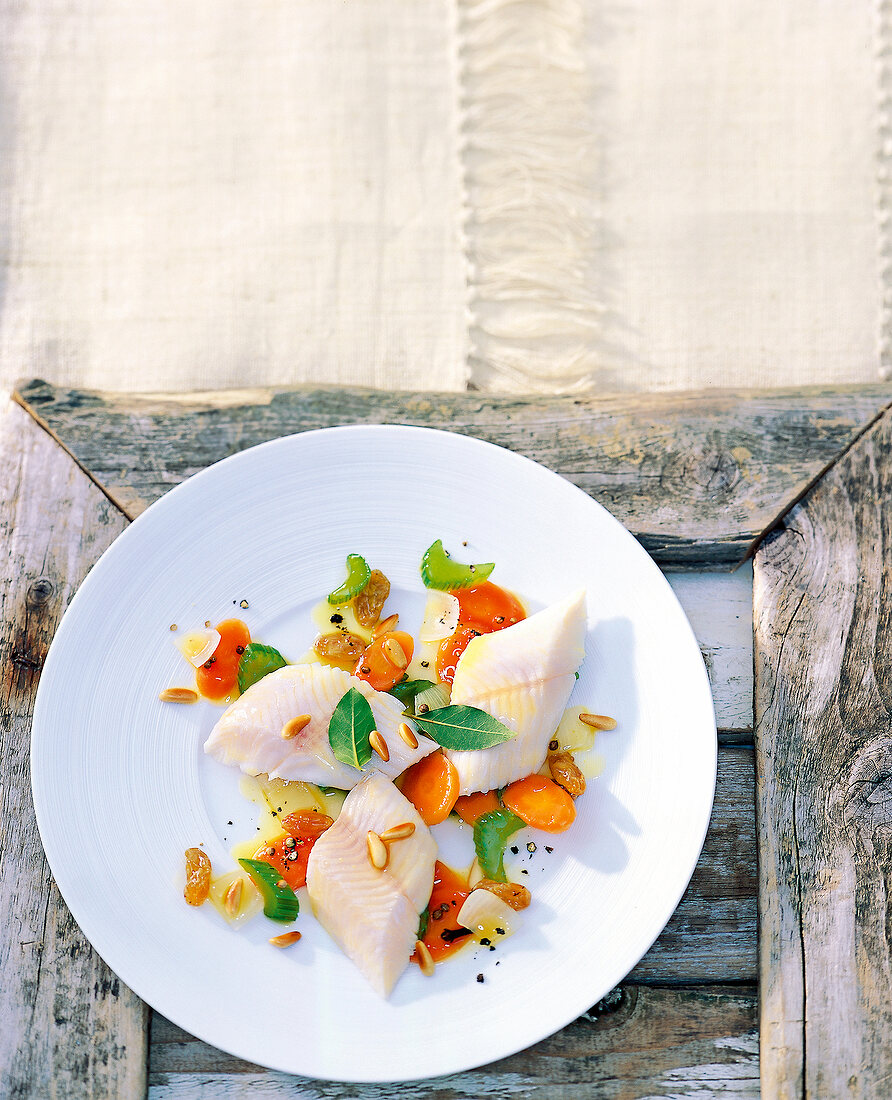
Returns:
<point x="218" y="676"/>
<point x="447" y="897"/>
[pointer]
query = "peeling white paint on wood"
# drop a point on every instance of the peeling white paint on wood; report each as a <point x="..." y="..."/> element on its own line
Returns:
<point x="68" y="1026"/>
<point x="719" y="607"/>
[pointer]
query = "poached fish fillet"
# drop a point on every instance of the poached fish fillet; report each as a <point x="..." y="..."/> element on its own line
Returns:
<point x="523" y="676"/>
<point x="249" y="733"/>
<point x="372" y="914"/>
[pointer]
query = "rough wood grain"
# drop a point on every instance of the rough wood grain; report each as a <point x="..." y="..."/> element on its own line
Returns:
<point x="711" y="937"/>
<point x="697" y="477"/>
<point x="719" y="607"/>
<point x="638" y="1043"/>
<point x="823" y="615"/>
<point x="68" y="1027"/>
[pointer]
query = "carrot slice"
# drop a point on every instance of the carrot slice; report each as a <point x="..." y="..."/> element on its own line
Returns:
<point x="541" y="803"/>
<point x="471" y="806"/>
<point x="487" y="608"/>
<point x="383" y="663"/>
<point x="218" y="676"/>
<point x="290" y="852"/>
<point x="431" y="786"/>
<point x="451" y="649"/>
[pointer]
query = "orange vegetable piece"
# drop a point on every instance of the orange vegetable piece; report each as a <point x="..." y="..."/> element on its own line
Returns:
<point x="486" y="607"/>
<point x="444" y="934"/>
<point x="431" y="786"/>
<point x="471" y="806"/>
<point x="198" y="876"/>
<point x="540" y="802"/>
<point x="290" y="852"/>
<point x="451" y="649"/>
<point x="306" y="823"/>
<point x="218" y="676"/>
<point x="278" y="854"/>
<point x="384" y="661"/>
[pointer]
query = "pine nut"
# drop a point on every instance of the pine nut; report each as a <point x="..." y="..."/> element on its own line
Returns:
<point x="379" y="745"/>
<point x="598" y="721"/>
<point x="233" y="897"/>
<point x="398" y="832"/>
<point x="178" y="695"/>
<point x="395" y="653"/>
<point x="425" y="960"/>
<point x="294" y="725"/>
<point x="386" y="626"/>
<point x="286" y="939"/>
<point x="378" y="852"/>
<point x="408" y="736"/>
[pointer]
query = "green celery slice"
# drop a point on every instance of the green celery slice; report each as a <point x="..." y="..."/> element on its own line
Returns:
<point x="491" y="833"/>
<point x="256" y="662"/>
<point x="423" y="921"/>
<point x="279" y="902"/>
<point x="439" y="571"/>
<point x="358" y="574"/>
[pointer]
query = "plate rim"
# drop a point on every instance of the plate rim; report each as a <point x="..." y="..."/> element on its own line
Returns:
<point x="84" y="594"/>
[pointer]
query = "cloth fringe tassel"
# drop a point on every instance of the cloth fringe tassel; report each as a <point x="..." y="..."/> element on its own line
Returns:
<point x="531" y="220"/>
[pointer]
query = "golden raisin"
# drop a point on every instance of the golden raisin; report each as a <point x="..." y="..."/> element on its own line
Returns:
<point x="566" y="774"/>
<point x="514" y="894"/>
<point x="198" y="876"/>
<point x="306" y="823"/>
<point x="368" y="604"/>
<point x="340" y="649"/>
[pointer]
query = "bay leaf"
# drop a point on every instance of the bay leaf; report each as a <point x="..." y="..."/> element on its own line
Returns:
<point x="463" y="728"/>
<point x="348" y="730"/>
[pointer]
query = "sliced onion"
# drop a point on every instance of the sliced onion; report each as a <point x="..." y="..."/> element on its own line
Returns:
<point x="433" y="697"/>
<point x="198" y="645"/>
<point x="440" y="617"/>
<point x="483" y="912"/>
<point x="475" y="874"/>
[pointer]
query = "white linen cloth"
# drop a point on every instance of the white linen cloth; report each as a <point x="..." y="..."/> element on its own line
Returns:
<point x="209" y="193"/>
<point x="550" y="195"/>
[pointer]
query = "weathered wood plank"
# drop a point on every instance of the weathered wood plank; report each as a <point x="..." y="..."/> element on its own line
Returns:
<point x="712" y="935"/>
<point x="639" y="1042"/>
<point x="823" y="614"/>
<point x="68" y="1026"/>
<point x="719" y="607"/>
<point x="697" y="477"/>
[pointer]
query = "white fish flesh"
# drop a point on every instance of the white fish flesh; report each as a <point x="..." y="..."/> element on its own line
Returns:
<point x="523" y="676"/>
<point x="372" y="914"/>
<point x="249" y="733"/>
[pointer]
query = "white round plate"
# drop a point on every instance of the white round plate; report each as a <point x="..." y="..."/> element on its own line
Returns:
<point x="122" y="786"/>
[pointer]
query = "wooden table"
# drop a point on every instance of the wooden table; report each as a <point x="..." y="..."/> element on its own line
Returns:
<point x="800" y="481"/>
